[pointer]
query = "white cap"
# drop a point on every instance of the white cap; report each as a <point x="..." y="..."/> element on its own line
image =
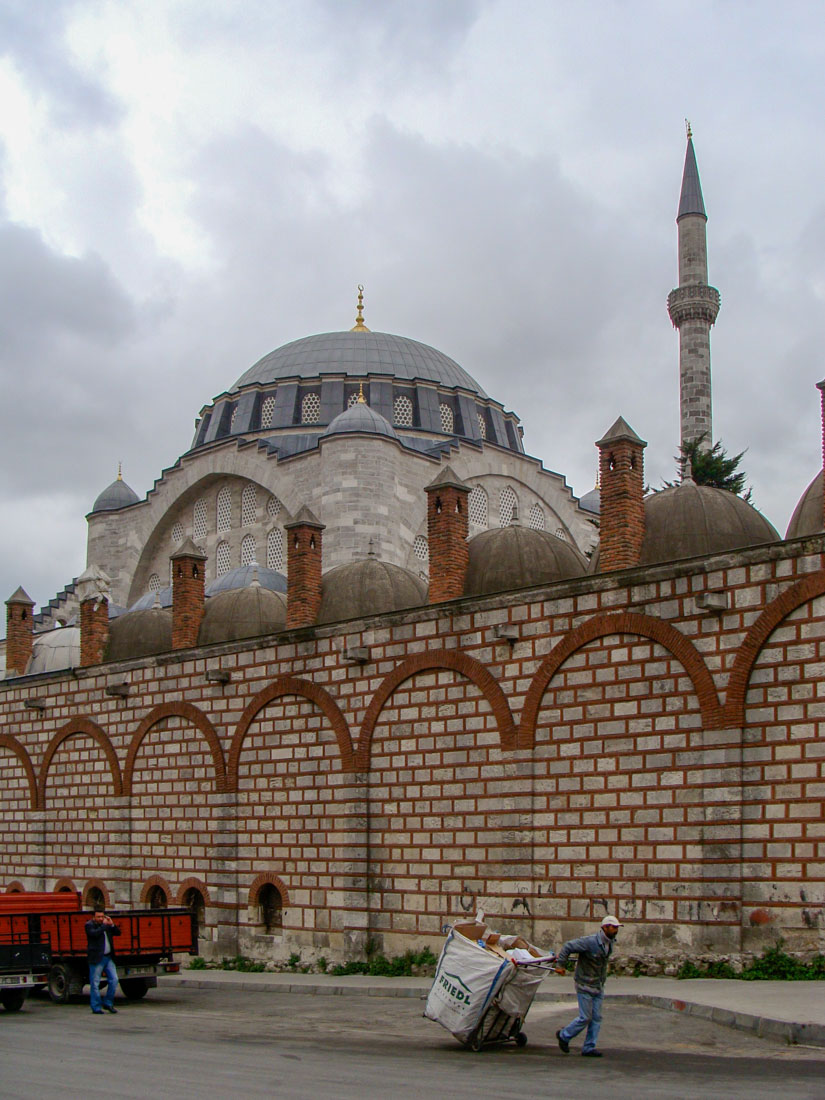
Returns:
<point x="614" y="922"/>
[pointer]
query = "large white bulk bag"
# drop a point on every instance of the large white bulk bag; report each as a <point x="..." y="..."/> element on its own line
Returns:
<point x="467" y="979"/>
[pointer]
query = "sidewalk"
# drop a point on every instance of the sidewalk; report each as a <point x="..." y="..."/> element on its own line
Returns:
<point x="793" y="1011"/>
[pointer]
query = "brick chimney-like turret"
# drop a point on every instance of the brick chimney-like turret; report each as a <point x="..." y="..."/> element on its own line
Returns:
<point x="188" y="570"/>
<point x="19" y="631"/>
<point x="821" y="387"/>
<point x="447" y="528"/>
<point x="622" y="481"/>
<point x="303" y="585"/>
<point x="93" y="594"/>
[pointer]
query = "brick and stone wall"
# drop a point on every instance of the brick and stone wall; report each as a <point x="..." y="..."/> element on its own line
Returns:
<point x="640" y="747"/>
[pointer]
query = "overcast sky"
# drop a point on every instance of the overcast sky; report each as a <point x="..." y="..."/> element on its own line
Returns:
<point x="185" y="186"/>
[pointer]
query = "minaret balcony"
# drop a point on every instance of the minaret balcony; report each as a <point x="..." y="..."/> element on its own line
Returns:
<point x="695" y="302"/>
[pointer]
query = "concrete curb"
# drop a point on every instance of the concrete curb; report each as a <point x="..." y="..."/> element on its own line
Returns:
<point x="807" y="1034"/>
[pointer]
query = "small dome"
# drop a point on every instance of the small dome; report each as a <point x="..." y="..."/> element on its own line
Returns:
<point x="368" y="587"/>
<point x="361" y="418"/>
<point x="117" y="495"/>
<point x="691" y="520"/>
<point x="243" y="577"/>
<point x="592" y="502"/>
<point x="163" y="596"/>
<point x="55" y="650"/>
<point x="140" y="634"/>
<point x="507" y="558"/>
<point x="807" y="518"/>
<point x="242" y="613"/>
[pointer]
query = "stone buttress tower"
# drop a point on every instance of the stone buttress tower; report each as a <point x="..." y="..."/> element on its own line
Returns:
<point x="693" y="307"/>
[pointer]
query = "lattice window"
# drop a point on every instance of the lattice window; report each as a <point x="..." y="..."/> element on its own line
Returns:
<point x="247" y="550"/>
<point x="154" y="583"/>
<point x="447" y="419"/>
<point x="402" y="411"/>
<point x="482" y="424"/>
<point x="352" y="400"/>
<point x="224" y="509"/>
<point x="232" y="419"/>
<point x="310" y="408"/>
<point x="249" y="506"/>
<point x="560" y="534"/>
<point x="275" y="550"/>
<point x="177" y="533"/>
<point x="199" y="520"/>
<point x="421" y="548"/>
<point x="273" y="507"/>
<point x="536" y="518"/>
<point x="477" y="507"/>
<point x="222" y="558"/>
<point x="508" y="505"/>
<point x="267" y="412"/>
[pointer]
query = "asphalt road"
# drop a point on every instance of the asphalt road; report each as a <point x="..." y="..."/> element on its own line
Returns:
<point x="201" y="1044"/>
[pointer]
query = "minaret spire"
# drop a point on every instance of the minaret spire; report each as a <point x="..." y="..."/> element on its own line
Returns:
<point x="693" y="306"/>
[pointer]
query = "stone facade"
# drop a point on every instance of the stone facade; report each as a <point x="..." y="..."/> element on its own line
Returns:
<point x="649" y="744"/>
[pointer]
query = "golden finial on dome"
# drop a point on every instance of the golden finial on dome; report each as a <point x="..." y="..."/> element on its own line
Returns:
<point x="359" y="325"/>
<point x="361" y="399"/>
<point x="120" y="471"/>
<point x="688" y="130"/>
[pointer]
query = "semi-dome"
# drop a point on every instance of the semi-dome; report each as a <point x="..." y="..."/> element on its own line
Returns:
<point x="242" y="613"/>
<point x="55" y="650"/>
<point x="358" y="354"/>
<point x="368" y="587"/>
<point x="115" y="496"/>
<point x="808" y="518"/>
<point x="361" y="418"/>
<point x="140" y="634"/>
<point x="691" y="520"/>
<point x="244" y="576"/>
<point x="507" y="558"/>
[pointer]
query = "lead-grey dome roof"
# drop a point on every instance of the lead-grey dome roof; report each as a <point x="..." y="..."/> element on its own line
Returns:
<point x="244" y="576"/>
<point x="808" y="518"/>
<point x="238" y="613"/>
<point x="359" y="589"/>
<point x="506" y="558"/>
<point x="358" y="354"/>
<point x="55" y="650"/>
<point x="140" y="634"/>
<point x="114" y="496"/>
<point x="361" y="418"/>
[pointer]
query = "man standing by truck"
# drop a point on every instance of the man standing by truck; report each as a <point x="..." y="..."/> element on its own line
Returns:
<point x="591" y="971"/>
<point x="99" y="932"/>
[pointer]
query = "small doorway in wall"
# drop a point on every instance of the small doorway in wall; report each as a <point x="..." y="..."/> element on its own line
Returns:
<point x="156" y="898"/>
<point x="270" y="908"/>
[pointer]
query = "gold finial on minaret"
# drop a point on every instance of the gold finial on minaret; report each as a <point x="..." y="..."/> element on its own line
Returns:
<point x="120" y="471"/>
<point x="359" y="325"/>
<point x="688" y="130"/>
<point x="361" y="399"/>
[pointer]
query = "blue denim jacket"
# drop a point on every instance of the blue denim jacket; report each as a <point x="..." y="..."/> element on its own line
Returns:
<point x="591" y="967"/>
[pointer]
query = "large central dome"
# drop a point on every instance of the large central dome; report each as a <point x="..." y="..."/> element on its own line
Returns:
<point x="358" y="354"/>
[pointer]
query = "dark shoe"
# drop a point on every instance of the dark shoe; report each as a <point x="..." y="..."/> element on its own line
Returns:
<point x="591" y="1054"/>
<point x="563" y="1043"/>
<point x="97" y="1011"/>
<point x="110" y="1008"/>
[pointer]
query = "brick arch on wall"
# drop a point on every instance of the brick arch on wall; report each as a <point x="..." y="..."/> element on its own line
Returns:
<point x="15" y="887"/>
<point x="101" y="885"/>
<point x="65" y="886"/>
<point x="156" y="880"/>
<point x="11" y="743"/>
<point x="599" y="626"/>
<point x="193" y="884"/>
<point x="75" y="726"/>
<point x="190" y="713"/>
<point x="291" y="685"/>
<point x="435" y="660"/>
<point x="786" y="602"/>
<point x="261" y="881"/>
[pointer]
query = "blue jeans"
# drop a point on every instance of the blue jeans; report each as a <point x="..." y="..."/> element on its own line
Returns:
<point x="107" y="967"/>
<point x="590" y="1016"/>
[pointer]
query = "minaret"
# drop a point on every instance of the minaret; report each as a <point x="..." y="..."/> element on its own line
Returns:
<point x="693" y="306"/>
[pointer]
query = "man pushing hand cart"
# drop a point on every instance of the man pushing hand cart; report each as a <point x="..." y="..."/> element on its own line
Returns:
<point x="485" y="983"/>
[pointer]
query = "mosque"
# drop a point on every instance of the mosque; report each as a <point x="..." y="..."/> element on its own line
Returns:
<point x="358" y="663"/>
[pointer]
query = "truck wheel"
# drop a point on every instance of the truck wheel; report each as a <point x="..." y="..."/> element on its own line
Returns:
<point x="59" y="983"/>
<point x="12" y="999"/>
<point x="134" y="988"/>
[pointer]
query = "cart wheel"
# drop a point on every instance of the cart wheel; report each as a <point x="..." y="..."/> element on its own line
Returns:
<point x="12" y="999"/>
<point x="521" y="1039"/>
<point x="59" y="984"/>
<point x="475" y="1043"/>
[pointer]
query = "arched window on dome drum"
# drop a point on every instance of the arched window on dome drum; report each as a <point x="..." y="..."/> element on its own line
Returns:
<point x="536" y="518"/>
<point x="267" y="411"/>
<point x="247" y="550"/>
<point x="477" y="507"/>
<point x="233" y="418"/>
<point x="560" y="534"/>
<point x="177" y="533"/>
<point x="222" y="558"/>
<point x="249" y="506"/>
<point x="275" y="550"/>
<point x="507" y="506"/>
<point x="482" y="424"/>
<point x="402" y="411"/>
<point x="447" y="419"/>
<point x="310" y="408"/>
<point x="154" y="583"/>
<point x="224" y="510"/>
<point x="199" y="521"/>
<point x="273" y="507"/>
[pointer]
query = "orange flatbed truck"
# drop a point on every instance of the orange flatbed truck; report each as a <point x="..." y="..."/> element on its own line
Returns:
<point x="148" y="941"/>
